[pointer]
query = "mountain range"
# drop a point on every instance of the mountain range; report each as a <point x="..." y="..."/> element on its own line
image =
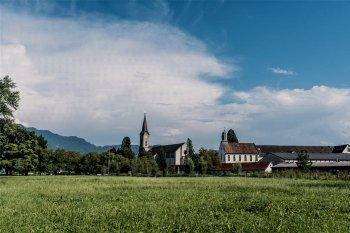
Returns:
<point x="73" y="143"/>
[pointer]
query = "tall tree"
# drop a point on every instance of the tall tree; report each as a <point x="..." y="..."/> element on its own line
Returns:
<point x="303" y="161"/>
<point x="9" y="98"/>
<point x="191" y="154"/>
<point x="161" y="161"/>
<point x="231" y="136"/>
<point x="211" y="157"/>
<point x="188" y="165"/>
<point x="20" y="151"/>
<point x="202" y="166"/>
<point x="190" y="150"/>
<point x="125" y="148"/>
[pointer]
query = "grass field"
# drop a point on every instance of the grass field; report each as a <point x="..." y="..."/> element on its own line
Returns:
<point x="210" y="204"/>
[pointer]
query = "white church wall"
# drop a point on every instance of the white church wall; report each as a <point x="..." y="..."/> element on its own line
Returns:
<point x="180" y="153"/>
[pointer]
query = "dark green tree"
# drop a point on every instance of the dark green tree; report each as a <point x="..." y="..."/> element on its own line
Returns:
<point x="9" y="98"/>
<point x="303" y="161"/>
<point x="211" y="157"/>
<point x="188" y="165"/>
<point x="191" y="154"/>
<point x="144" y="153"/>
<point x="161" y="161"/>
<point x="190" y="150"/>
<point x="19" y="150"/>
<point x="202" y="166"/>
<point x="231" y="136"/>
<point x="144" y="166"/>
<point x="119" y="163"/>
<point x="125" y="149"/>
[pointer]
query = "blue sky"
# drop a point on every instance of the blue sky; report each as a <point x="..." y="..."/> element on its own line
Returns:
<point x="310" y="38"/>
<point x="261" y="55"/>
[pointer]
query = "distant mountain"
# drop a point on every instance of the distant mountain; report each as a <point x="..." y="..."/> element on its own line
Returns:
<point x="73" y="143"/>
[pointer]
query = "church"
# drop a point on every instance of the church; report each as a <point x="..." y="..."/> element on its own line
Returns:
<point x="175" y="154"/>
<point x="231" y="152"/>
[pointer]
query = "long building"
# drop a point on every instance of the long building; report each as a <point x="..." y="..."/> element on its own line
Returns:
<point x="281" y="157"/>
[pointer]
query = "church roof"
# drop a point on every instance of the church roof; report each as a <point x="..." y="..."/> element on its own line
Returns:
<point x="144" y="125"/>
<point x="239" y="148"/>
<point x="166" y="148"/>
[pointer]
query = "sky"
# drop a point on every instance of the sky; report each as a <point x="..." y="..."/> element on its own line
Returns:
<point x="275" y="72"/>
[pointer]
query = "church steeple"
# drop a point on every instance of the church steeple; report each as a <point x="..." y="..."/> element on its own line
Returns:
<point x="224" y="136"/>
<point x="144" y="135"/>
<point x="144" y="125"/>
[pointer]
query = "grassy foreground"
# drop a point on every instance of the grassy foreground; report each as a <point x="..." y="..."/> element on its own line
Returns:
<point x="210" y="204"/>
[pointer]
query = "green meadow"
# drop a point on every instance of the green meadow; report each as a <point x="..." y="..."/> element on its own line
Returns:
<point x="178" y="204"/>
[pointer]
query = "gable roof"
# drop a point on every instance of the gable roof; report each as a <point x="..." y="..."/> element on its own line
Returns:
<point x="291" y="149"/>
<point x="315" y="164"/>
<point x="314" y="156"/>
<point x="258" y="166"/>
<point x="339" y="149"/>
<point x="239" y="148"/>
<point x="166" y="148"/>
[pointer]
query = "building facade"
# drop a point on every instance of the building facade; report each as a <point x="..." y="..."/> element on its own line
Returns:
<point x="174" y="153"/>
<point x="231" y="152"/>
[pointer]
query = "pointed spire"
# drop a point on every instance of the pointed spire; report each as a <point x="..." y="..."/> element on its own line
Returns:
<point x="144" y="125"/>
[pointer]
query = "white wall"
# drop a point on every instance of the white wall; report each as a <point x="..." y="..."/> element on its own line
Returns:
<point x="180" y="154"/>
<point x="347" y="150"/>
<point x="245" y="158"/>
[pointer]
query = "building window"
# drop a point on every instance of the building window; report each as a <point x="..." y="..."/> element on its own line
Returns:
<point x="228" y="156"/>
<point x="239" y="158"/>
<point x="251" y="158"/>
<point x="245" y="158"/>
<point x="234" y="157"/>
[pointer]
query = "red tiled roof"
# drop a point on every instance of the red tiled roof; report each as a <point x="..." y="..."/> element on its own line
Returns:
<point x="240" y="148"/>
<point x="246" y="167"/>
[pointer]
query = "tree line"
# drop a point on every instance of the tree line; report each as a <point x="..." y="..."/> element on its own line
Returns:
<point x="23" y="152"/>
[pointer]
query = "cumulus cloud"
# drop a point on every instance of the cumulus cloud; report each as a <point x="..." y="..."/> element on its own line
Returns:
<point x="319" y="115"/>
<point x="94" y="80"/>
<point x="280" y="71"/>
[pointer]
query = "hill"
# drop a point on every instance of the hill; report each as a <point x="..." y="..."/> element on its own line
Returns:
<point x="73" y="143"/>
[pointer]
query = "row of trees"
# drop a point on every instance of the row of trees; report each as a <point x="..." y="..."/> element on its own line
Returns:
<point x="22" y="151"/>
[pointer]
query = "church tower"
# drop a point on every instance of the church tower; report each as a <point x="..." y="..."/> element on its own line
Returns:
<point x="224" y="137"/>
<point x="144" y="135"/>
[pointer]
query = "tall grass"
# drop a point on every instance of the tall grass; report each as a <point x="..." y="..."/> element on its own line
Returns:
<point x="181" y="204"/>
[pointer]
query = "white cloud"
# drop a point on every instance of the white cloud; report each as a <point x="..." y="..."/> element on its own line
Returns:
<point x="95" y="80"/>
<point x="280" y="71"/>
<point x="298" y="116"/>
